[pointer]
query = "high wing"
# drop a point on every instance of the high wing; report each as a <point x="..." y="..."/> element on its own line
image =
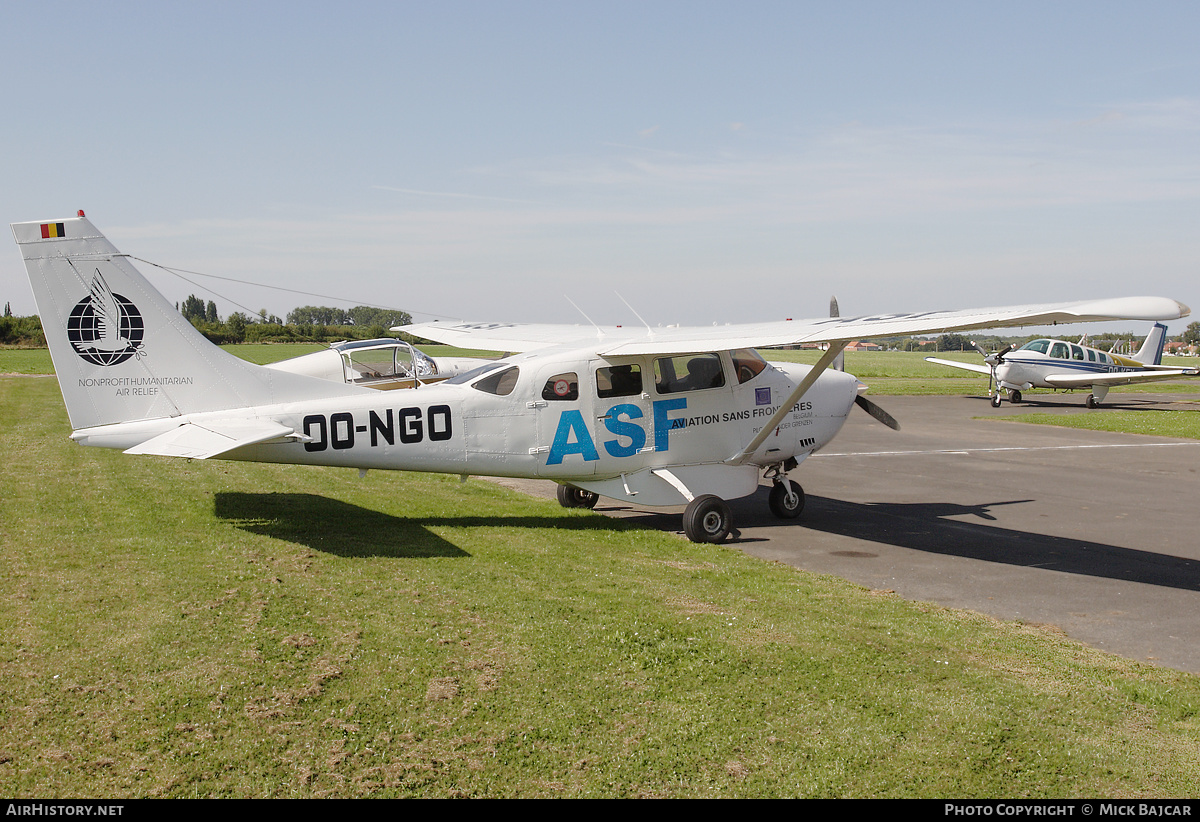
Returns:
<point x="618" y="340"/>
<point x="1117" y="377"/>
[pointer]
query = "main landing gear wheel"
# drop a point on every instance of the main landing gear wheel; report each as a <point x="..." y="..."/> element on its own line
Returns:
<point x="707" y="519"/>
<point x="786" y="500"/>
<point x="996" y="400"/>
<point x="1091" y="402"/>
<point x="571" y="497"/>
<point x="1014" y="396"/>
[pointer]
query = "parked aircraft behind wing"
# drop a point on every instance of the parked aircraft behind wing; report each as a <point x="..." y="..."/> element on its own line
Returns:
<point x="1050" y="363"/>
<point x="383" y="364"/>
<point x="656" y="417"/>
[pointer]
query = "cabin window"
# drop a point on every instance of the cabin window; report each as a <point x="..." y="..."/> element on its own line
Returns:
<point x="1103" y="356"/>
<point x="1059" y="351"/>
<point x="747" y="364"/>
<point x="619" y="381"/>
<point x="501" y="383"/>
<point x="691" y="372"/>
<point x="1091" y="355"/>
<point x="373" y="364"/>
<point x="1076" y="352"/>
<point x="560" y="387"/>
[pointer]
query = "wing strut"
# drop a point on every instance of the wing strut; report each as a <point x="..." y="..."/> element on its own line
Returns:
<point x="785" y="408"/>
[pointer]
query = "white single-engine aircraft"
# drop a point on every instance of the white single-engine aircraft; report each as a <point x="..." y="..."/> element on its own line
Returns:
<point x="1063" y="365"/>
<point x="655" y="417"/>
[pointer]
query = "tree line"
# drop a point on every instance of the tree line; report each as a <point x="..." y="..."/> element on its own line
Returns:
<point x="308" y="323"/>
<point x="320" y="323"/>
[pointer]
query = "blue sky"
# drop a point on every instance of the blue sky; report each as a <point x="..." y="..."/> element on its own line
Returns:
<point x="705" y="161"/>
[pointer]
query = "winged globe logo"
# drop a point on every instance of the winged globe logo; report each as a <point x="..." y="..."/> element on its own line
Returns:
<point x="105" y="328"/>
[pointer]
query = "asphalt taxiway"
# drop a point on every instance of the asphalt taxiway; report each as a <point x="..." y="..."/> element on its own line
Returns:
<point x="1092" y="532"/>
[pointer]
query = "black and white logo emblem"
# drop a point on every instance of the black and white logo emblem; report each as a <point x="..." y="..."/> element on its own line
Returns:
<point x="105" y="328"/>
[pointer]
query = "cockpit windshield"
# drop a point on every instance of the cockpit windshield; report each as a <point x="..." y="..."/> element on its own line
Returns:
<point x="1040" y="346"/>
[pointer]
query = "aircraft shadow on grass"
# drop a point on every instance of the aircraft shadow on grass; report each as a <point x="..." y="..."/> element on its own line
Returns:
<point x="925" y="527"/>
<point x="346" y="530"/>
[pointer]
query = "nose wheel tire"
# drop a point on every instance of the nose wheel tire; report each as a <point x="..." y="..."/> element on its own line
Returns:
<point x="786" y="500"/>
<point x="707" y="519"/>
<point x="996" y="400"/>
<point x="571" y="497"/>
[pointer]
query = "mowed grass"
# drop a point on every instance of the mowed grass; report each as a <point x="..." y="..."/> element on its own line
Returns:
<point x="1153" y="422"/>
<point x="177" y="629"/>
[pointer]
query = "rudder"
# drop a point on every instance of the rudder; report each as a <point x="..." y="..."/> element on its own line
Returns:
<point x="1152" y="348"/>
<point x="120" y="349"/>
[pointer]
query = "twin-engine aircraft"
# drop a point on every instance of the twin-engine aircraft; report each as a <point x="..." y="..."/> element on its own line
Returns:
<point x="1064" y="365"/>
<point x="653" y="417"/>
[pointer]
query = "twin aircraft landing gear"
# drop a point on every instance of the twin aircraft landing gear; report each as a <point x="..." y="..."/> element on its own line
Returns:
<point x="707" y="517"/>
<point x="1013" y="396"/>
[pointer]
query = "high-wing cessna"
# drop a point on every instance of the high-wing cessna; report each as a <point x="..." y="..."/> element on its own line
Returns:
<point x="655" y="417"/>
<point x="1060" y="364"/>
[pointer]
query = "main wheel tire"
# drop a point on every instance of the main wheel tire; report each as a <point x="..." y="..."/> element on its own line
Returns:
<point x="786" y="500"/>
<point x="1014" y="396"/>
<point x="1090" y="402"/>
<point x="707" y="519"/>
<point x="571" y="497"/>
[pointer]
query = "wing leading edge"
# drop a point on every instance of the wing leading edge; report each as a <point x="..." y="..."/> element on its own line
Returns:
<point x="616" y="340"/>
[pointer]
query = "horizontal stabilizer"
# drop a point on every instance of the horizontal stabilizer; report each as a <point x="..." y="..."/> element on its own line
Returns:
<point x="201" y="442"/>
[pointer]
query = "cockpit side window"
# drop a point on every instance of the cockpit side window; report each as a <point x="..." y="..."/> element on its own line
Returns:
<point x="1060" y="351"/>
<point x="500" y="383"/>
<point x="747" y="364"/>
<point x="619" y="381"/>
<point x="691" y="372"/>
<point x="372" y="364"/>
<point x="560" y="387"/>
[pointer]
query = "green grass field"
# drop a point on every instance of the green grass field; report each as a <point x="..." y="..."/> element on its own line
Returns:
<point x="176" y="628"/>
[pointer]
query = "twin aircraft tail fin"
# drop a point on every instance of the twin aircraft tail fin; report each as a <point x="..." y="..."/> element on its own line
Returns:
<point x="1152" y="349"/>
<point x="121" y="350"/>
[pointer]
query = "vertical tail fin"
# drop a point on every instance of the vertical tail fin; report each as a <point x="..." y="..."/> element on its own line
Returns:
<point x="839" y="362"/>
<point x="121" y="350"/>
<point x="1152" y="349"/>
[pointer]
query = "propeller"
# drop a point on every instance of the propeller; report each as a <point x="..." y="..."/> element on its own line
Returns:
<point x="993" y="359"/>
<point x="876" y="412"/>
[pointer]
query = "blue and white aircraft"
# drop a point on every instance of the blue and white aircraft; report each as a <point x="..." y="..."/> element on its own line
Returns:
<point x="654" y="417"/>
<point x="1064" y="365"/>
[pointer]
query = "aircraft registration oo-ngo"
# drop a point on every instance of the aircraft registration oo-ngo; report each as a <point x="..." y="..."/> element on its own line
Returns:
<point x="653" y="416"/>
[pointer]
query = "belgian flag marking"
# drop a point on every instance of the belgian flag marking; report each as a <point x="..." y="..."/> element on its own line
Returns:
<point x="52" y="230"/>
